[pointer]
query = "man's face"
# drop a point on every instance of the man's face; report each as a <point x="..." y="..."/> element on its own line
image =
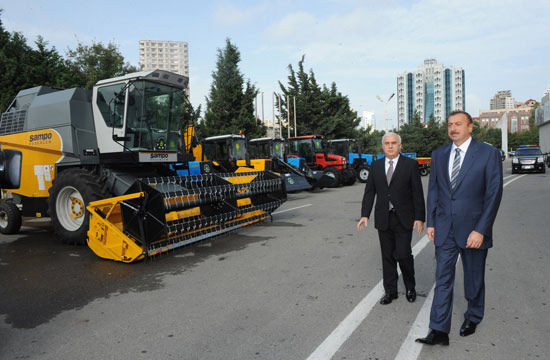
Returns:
<point x="391" y="146"/>
<point x="459" y="128"/>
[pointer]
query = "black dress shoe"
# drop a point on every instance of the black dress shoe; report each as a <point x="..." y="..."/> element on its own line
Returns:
<point x="387" y="299"/>
<point x="435" y="337"/>
<point x="411" y="295"/>
<point x="468" y="328"/>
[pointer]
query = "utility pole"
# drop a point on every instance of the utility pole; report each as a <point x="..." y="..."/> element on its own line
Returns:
<point x="288" y="114"/>
<point x="280" y="120"/>
<point x="295" y="129"/>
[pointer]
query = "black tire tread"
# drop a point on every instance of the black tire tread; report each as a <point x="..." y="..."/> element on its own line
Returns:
<point x="14" y="218"/>
<point x="90" y="186"/>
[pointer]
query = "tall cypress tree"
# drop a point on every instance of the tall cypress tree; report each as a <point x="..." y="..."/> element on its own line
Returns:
<point x="230" y="103"/>
<point x="319" y="110"/>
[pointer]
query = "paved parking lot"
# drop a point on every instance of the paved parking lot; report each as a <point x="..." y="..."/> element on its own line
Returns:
<point x="303" y="286"/>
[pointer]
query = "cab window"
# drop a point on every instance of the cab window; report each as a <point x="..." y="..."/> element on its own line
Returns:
<point x="111" y="102"/>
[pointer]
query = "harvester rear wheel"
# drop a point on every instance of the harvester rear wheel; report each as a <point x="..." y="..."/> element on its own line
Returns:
<point x="71" y="191"/>
<point x="10" y="218"/>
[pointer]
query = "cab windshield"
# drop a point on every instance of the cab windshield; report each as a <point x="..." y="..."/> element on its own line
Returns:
<point x="339" y="148"/>
<point x="153" y="116"/>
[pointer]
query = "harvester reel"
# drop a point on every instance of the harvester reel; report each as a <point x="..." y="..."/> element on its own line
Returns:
<point x="71" y="191"/>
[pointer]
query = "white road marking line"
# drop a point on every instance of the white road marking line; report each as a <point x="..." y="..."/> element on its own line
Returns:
<point x="343" y="331"/>
<point x="506" y="177"/>
<point x="410" y="350"/>
<point x="294" y="208"/>
<point x="514" y="179"/>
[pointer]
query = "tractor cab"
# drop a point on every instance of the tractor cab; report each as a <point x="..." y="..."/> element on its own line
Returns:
<point x="266" y="148"/>
<point x="312" y="148"/>
<point x="226" y="150"/>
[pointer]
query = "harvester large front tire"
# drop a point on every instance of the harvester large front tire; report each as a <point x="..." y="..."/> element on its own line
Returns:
<point x="10" y="218"/>
<point x="72" y="190"/>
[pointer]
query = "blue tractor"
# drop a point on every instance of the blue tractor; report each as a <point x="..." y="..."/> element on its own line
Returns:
<point x="349" y="149"/>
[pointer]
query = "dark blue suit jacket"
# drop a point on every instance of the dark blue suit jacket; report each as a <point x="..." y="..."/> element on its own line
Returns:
<point x="474" y="202"/>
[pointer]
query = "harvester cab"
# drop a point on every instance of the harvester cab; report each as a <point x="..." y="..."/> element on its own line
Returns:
<point x="351" y="150"/>
<point x="312" y="148"/>
<point x="96" y="164"/>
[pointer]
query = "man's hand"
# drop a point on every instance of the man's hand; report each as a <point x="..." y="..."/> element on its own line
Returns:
<point x="363" y="220"/>
<point x="474" y="240"/>
<point x="418" y="225"/>
<point x="430" y="231"/>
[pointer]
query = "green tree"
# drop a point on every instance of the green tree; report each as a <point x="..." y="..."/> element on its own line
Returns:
<point x="319" y="109"/>
<point x="230" y="104"/>
<point x="421" y="138"/>
<point x="371" y="141"/>
<point x="22" y="67"/>
<point x="87" y="64"/>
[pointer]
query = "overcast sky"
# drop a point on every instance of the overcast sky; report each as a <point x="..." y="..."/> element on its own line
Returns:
<point x="360" y="45"/>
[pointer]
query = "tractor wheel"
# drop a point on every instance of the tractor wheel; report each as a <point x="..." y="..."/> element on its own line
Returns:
<point x="333" y="173"/>
<point x="363" y="173"/>
<point x="72" y="190"/>
<point x="350" y="176"/>
<point x="424" y="171"/>
<point x="10" y="218"/>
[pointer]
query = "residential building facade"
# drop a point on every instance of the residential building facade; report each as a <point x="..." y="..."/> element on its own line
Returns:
<point x="433" y="89"/>
<point x="542" y="120"/>
<point x="164" y="55"/>
<point x="518" y="118"/>
<point x="503" y="100"/>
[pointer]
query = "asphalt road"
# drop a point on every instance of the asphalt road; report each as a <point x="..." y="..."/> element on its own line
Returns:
<point x="305" y="286"/>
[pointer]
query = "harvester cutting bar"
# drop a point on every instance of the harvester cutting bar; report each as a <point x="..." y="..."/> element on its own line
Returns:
<point x="163" y="213"/>
<point x="201" y="190"/>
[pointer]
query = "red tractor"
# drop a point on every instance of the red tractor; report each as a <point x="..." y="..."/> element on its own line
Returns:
<point x="311" y="148"/>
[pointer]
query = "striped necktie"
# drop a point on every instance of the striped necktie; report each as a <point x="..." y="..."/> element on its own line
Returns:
<point x="456" y="168"/>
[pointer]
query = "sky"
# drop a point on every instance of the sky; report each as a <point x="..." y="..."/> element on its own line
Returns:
<point x="362" y="46"/>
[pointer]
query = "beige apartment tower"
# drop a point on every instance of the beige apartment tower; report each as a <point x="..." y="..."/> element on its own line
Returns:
<point x="164" y="55"/>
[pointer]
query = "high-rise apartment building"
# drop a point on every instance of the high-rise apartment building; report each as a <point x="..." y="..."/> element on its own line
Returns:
<point x="432" y="89"/>
<point x="503" y="100"/>
<point x="164" y="55"/>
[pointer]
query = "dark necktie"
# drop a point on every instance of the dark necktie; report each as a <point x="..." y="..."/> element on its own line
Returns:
<point x="388" y="177"/>
<point x="456" y="168"/>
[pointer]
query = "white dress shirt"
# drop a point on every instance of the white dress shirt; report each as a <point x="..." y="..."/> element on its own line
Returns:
<point x="387" y="163"/>
<point x="463" y="148"/>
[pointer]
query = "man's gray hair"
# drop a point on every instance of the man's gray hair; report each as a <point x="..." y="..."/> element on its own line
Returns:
<point x="390" y="134"/>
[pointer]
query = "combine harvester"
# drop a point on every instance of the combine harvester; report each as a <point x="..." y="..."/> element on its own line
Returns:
<point x="97" y="163"/>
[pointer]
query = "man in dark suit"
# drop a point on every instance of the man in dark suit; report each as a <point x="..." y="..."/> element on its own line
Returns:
<point x="395" y="180"/>
<point x="464" y="194"/>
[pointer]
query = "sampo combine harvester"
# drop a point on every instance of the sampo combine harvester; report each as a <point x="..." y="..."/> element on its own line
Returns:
<point x="98" y="163"/>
